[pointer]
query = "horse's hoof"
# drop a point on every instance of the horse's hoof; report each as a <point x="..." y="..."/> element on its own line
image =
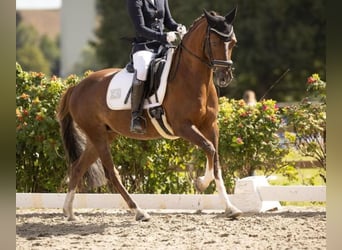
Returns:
<point x="142" y="216"/>
<point x="233" y="213"/>
<point x="70" y="216"/>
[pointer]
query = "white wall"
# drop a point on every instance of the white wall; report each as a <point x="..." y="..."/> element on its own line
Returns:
<point x="77" y="28"/>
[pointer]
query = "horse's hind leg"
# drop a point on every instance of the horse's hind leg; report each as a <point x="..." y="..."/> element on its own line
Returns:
<point x="113" y="176"/>
<point x="78" y="169"/>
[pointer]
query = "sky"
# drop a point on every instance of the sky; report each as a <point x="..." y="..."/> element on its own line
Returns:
<point x="38" y="4"/>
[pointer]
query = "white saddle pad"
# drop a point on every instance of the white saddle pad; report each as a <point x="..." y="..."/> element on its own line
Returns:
<point x="121" y="83"/>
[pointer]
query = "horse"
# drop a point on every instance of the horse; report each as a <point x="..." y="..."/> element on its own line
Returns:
<point x="88" y="126"/>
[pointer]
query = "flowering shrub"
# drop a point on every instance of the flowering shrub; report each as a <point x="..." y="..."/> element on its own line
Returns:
<point x="40" y="164"/>
<point x="308" y="120"/>
<point x="249" y="139"/>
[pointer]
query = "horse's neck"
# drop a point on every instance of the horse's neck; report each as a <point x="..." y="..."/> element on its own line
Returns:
<point x="192" y="58"/>
<point x="190" y="74"/>
<point x="192" y="50"/>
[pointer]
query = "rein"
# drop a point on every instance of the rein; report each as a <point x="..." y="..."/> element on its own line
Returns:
<point x="196" y="56"/>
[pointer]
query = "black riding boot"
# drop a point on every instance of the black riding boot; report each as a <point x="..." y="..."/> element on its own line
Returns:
<point x="138" y="122"/>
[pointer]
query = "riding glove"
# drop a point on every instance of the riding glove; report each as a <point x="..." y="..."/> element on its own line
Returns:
<point x="171" y="36"/>
<point x="181" y="29"/>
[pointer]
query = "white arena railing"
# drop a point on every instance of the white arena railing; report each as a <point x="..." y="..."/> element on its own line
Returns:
<point x="251" y="194"/>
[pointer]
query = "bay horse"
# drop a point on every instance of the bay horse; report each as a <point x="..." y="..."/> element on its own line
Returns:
<point x="190" y="104"/>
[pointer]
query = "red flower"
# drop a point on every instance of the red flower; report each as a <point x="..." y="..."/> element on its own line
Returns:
<point x="39" y="118"/>
<point x="239" y="141"/>
<point x="25" y="112"/>
<point x="311" y="80"/>
<point x="243" y="114"/>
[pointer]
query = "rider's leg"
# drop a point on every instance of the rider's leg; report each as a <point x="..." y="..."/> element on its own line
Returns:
<point x="141" y="62"/>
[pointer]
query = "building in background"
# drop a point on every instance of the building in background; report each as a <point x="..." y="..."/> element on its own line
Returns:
<point x="78" y="22"/>
<point x="73" y="20"/>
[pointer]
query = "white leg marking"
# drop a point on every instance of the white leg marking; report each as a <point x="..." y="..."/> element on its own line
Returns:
<point x="67" y="208"/>
<point x="221" y="189"/>
<point x="204" y="181"/>
<point x="231" y="210"/>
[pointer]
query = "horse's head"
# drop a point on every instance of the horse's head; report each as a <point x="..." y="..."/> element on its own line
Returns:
<point x="220" y="40"/>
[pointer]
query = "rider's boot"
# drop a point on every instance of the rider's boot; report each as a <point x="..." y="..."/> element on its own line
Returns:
<point x="138" y="122"/>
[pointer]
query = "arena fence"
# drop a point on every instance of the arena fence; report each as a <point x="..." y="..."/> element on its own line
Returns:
<point x="251" y="194"/>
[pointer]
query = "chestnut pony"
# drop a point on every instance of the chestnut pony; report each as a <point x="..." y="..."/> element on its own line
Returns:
<point x="88" y="126"/>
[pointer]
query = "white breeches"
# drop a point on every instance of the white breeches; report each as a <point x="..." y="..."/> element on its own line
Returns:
<point x="141" y="63"/>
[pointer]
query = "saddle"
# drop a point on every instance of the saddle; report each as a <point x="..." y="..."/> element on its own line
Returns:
<point x="119" y="91"/>
<point x="154" y="74"/>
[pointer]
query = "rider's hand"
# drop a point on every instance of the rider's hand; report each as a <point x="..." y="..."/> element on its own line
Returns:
<point x="181" y="29"/>
<point x="171" y="36"/>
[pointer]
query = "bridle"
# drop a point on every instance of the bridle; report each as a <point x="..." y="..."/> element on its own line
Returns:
<point x="207" y="46"/>
<point x="211" y="62"/>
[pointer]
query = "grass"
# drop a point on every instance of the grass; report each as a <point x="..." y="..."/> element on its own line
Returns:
<point x="299" y="176"/>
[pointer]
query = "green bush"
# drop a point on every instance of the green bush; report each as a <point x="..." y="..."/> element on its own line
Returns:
<point x="39" y="152"/>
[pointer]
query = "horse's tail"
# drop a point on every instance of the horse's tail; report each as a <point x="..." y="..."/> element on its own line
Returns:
<point x="70" y="136"/>
<point x="74" y="142"/>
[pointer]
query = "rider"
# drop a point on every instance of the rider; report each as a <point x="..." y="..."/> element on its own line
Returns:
<point x="149" y="18"/>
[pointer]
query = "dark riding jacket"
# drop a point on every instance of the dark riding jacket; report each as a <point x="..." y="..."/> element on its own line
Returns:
<point x="149" y="22"/>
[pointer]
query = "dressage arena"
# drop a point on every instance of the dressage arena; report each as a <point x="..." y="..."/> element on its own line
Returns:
<point x="287" y="228"/>
<point x="178" y="221"/>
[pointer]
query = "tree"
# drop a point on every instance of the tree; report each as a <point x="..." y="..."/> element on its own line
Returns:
<point x="274" y="36"/>
<point x="51" y="52"/>
<point x="31" y="58"/>
<point x="88" y="60"/>
<point x="26" y="35"/>
<point x="111" y="48"/>
<point x="35" y="52"/>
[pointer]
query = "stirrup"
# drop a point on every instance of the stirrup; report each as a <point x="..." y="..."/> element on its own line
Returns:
<point x="138" y="125"/>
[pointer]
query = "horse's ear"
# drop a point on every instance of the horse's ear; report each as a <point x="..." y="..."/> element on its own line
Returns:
<point x="231" y="16"/>
<point x="210" y="18"/>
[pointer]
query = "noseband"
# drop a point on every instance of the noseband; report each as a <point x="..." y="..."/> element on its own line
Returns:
<point x="213" y="63"/>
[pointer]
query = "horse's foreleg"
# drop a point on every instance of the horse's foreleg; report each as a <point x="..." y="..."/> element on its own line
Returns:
<point x="212" y="173"/>
<point x="202" y="182"/>
<point x="231" y="210"/>
<point x="208" y="141"/>
<point x="192" y="134"/>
